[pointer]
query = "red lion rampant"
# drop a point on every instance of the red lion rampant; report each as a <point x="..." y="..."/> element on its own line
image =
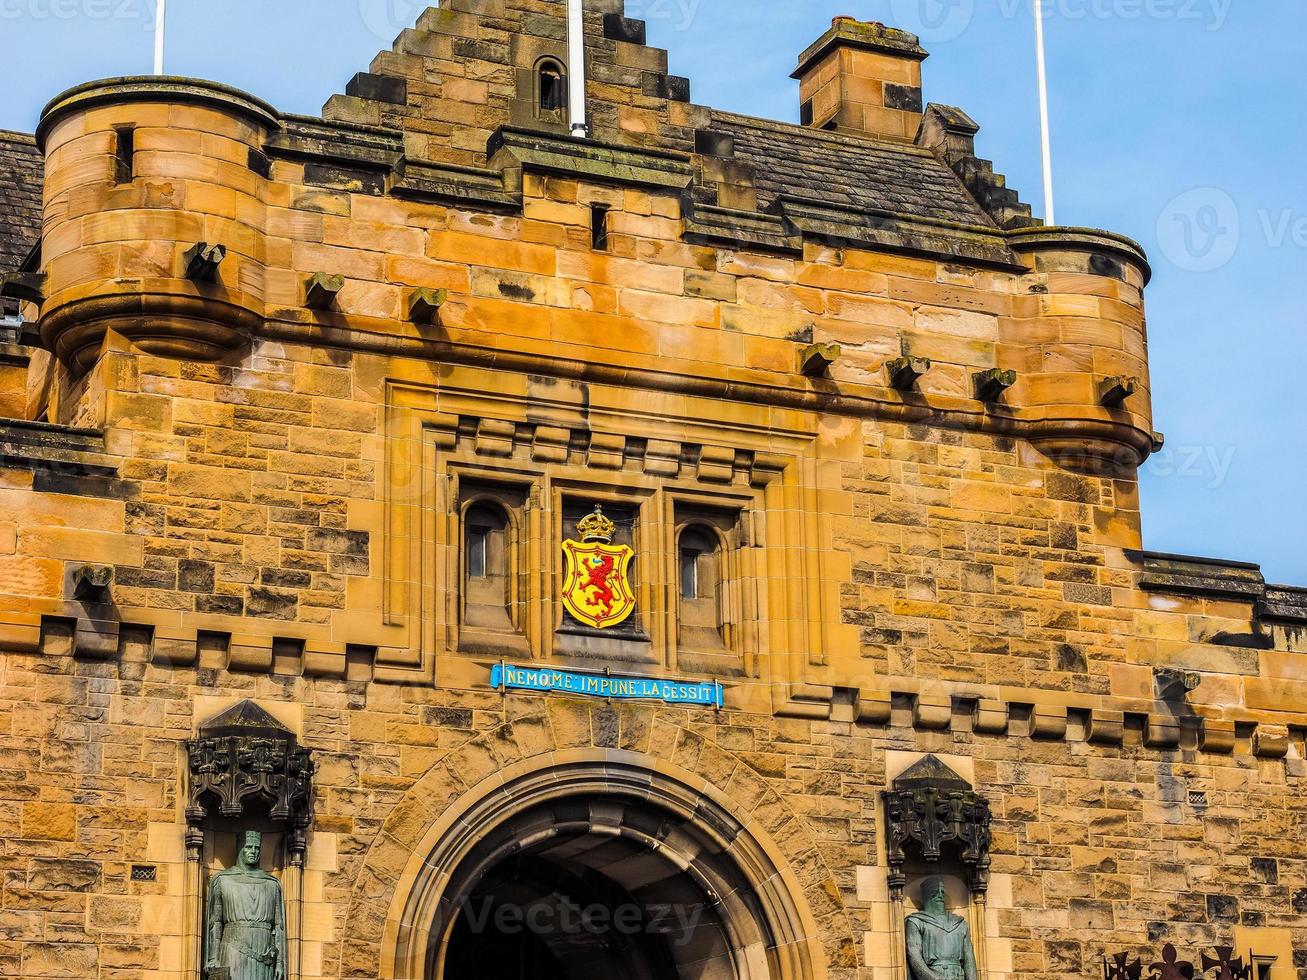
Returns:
<point x="598" y="581"/>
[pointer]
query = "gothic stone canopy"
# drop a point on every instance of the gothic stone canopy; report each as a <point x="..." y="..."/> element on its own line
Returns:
<point x="931" y="806"/>
<point x="246" y="763"/>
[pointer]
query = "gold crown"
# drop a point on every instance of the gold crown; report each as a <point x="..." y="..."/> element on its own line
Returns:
<point x="596" y="527"/>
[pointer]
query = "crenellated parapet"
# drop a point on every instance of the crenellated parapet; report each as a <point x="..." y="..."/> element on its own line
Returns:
<point x="188" y="219"/>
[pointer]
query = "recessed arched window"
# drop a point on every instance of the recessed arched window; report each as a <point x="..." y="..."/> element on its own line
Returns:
<point x="486" y="567"/>
<point x="551" y="87"/>
<point x="699" y="551"/>
<point x="698" y="559"/>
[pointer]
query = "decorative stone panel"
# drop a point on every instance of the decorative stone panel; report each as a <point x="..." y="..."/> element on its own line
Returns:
<point x="567" y="441"/>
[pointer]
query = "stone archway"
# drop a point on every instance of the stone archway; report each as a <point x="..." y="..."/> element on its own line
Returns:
<point x="603" y="871"/>
<point x="601" y="822"/>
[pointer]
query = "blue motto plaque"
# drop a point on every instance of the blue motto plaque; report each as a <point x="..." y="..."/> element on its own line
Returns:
<point x="508" y="677"/>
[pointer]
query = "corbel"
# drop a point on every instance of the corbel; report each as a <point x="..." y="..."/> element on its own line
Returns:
<point x="1161" y="732"/>
<point x="174" y="648"/>
<point x="1112" y="392"/>
<point x="990" y="717"/>
<point x="766" y="467"/>
<point x="905" y="372"/>
<point x="550" y="443"/>
<point x="874" y="707"/>
<point x="1271" y="741"/>
<point x="321" y="290"/>
<point x="932" y="712"/>
<point x="27" y="287"/>
<point x="495" y="437"/>
<point x="1106" y="727"/>
<point x="424" y="304"/>
<point x="202" y="261"/>
<point x="815" y="359"/>
<point x="1216" y="735"/>
<point x="20" y="633"/>
<point x="811" y="701"/>
<point x="324" y="659"/>
<point x="96" y="639"/>
<point x="1048" y="722"/>
<point x="91" y="583"/>
<point x="662" y="458"/>
<point x="1174" y="686"/>
<point x="443" y="429"/>
<point x="716" y="464"/>
<point x="991" y="384"/>
<point x="607" y="451"/>
<point x="250" y="654"/>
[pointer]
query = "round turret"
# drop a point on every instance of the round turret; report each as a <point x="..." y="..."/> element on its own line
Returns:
<point x="154" y="217"/>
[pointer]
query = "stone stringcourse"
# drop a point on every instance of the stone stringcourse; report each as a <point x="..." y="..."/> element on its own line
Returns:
<point x="999" y="714"/>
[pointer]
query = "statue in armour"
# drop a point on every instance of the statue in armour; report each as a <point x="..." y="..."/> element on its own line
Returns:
<point x="938" y="941"/>
<point x="245" y="920"/>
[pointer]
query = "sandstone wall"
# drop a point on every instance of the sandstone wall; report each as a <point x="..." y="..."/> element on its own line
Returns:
<point x="936" y="567"/>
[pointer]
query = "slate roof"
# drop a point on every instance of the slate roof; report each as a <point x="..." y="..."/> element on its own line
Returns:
<point x="20" y="198"/>
<point x="797" y="161"/>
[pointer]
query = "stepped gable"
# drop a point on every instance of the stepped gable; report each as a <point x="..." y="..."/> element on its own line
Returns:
<point x="951" y="134"/>
<point x="468" y="68"/>
<point x="465" y="73"/>
<point x="449" y="83"/>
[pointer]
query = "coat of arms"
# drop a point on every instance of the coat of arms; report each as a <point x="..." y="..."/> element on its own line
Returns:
<point x="597" y="590"/>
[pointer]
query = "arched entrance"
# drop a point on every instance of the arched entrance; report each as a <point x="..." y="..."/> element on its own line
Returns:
<point x="535" y="919"/>
<point x="601" y="888"/>
<point x="601" y="871"/>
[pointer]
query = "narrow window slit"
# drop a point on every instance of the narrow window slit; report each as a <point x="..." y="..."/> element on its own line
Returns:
<point x="599" y="226"/>
<point x="124" y="154"/>
<point x="689" y="574"/>
<point x="476" y="552"/>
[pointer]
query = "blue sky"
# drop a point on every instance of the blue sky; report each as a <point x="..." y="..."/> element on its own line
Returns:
<point x="1182" y="123"/>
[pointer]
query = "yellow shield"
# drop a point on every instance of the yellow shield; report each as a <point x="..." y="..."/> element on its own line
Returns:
<point x="597" y="590"/>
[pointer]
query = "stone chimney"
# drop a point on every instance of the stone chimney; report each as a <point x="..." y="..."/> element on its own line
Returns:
<point x="862" y="78"/>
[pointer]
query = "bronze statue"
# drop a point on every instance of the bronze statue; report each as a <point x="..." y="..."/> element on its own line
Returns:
<point x="938" y="942"/>
<point x="245" y="921"/>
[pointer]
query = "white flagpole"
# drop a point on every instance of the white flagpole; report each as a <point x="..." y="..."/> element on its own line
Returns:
<point x="160" y="16"/>
<point x="1049" y="217"/>
<point x="576" y="72"/>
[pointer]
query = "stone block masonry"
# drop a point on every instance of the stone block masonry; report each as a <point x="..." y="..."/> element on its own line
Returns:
<point x="346" y="505"/>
